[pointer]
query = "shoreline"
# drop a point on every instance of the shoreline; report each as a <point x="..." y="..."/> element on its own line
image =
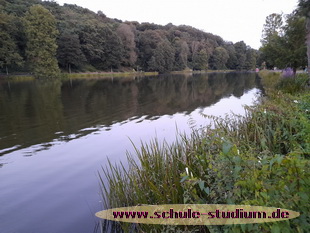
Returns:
<point x="85" y="75"/>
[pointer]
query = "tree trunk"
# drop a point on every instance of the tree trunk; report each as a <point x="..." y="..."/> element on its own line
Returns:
<point x="7" y="70"/>
<point x="308" y="43"/>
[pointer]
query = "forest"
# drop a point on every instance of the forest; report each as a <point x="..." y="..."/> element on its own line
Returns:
<point x="44" y="38"/>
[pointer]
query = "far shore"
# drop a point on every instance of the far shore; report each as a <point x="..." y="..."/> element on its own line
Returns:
<point x="101" y="74"/>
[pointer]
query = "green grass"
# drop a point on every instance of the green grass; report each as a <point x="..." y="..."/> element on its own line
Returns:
<point x="20" y="78"/>
<point x="259" y="159"/>
<point x="109" y="75"/>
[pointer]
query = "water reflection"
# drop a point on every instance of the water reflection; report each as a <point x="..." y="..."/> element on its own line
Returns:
<point x="46" y="113"/>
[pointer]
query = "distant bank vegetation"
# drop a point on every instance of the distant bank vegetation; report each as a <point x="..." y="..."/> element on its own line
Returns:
<point x="39" y="36"/>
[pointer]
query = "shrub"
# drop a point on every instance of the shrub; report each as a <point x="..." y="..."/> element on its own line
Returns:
<point x="293" y="84"/>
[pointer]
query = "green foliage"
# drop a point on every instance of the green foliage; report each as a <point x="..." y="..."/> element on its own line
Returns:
<point x="163" y="58"/>
<point x="9" y="54"/>
<point x="41" y="33"/>
<point x="181" y="54"/>
<point x="232" y="60"/>
<point x="148" y="41"/>
<point x="251" y="59"/>
<point x="219" y="59"/>
<point x="273" y="26"/>
<point x="269" y="79"/>
<point x="284" y="45"/>
<point x="126" y="33"/>
<point x="241" y="50"/>
<point x="295" y="34"/>
<point x="200" y="60"/>
<point x="87" y="39"/>
<point x="293" y="85"/>
<point x="69" y="51"/>
<point x="304" y="8"/>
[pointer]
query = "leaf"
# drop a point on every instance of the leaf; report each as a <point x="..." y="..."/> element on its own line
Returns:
<point x="237" y="169"/>
<point x="264" y="195"/>
<point x="207" y="190"/>
<point x="201" y="184"/>
<point x="226" y="147"/>
<point x="279" y="159"/>
<point x="275" y="229"/>
<point x="184" y="178"/>
<point x="243" y="227"/>
<point x="272" y="162"/>
<point x="304" y="196"/>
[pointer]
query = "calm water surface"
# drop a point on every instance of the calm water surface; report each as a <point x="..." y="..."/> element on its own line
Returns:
<point x="54" y="138"/>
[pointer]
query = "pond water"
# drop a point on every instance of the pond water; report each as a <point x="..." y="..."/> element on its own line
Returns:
<point x="56" y="136"/>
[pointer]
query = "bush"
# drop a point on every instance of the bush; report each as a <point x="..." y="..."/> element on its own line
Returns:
<point x="269" y="79"/>
<point x="293" y="84"/>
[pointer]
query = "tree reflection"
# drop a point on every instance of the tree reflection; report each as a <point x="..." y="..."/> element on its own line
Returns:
<point x="39" y="112"/>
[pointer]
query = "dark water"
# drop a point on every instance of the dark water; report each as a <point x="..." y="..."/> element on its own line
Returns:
<point x="54" y="138"/>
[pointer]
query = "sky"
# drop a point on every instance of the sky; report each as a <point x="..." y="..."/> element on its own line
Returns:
<point x="233" y="20"/>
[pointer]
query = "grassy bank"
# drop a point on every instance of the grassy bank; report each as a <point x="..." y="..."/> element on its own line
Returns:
<point x="109" y="74"/>
<point x="92" y="75"/>
<point x="259" y="159"/>
<point x="189" y="71"/>
<point x="18" y="78"/>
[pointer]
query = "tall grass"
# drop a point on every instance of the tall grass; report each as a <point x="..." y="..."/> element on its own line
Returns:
<point x="259" y="159"/>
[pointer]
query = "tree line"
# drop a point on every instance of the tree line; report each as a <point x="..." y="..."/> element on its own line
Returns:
<point x="43" y="38"/>
<point x="286" y="39"/>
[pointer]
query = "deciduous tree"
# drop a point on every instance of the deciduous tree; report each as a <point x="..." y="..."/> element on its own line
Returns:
<point x="127" y="35"/>
<point x="9" y="54"/>
<point x="41" y="33"/>
<point x="304" y="10"/>
<point x="273" y="26"/>
<point x="289" y="48"/>
<point x="240" y="48"/>
<point x="219" y="58"/>
<point x="163" y="58"/>
<point x="69" y="51"/>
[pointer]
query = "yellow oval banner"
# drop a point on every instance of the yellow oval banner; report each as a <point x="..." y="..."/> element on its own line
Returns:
<point x="200" y="214"/>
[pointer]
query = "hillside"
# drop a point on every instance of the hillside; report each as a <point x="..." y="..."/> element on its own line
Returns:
<point x="89" y="41"/>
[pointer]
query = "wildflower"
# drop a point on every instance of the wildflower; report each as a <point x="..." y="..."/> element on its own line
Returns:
<point x="295" y="101"/>
<point x="288" y="72"/>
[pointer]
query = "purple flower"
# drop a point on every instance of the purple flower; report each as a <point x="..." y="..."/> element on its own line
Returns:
<point x="287" y="72"/>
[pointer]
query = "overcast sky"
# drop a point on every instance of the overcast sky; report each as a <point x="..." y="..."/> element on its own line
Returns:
<point x="233" y="20"/>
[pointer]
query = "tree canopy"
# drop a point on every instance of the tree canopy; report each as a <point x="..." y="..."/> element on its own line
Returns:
<point x="77" y="39"/>
<point x="284" y="40"/>
<point x="41" y="33"/>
